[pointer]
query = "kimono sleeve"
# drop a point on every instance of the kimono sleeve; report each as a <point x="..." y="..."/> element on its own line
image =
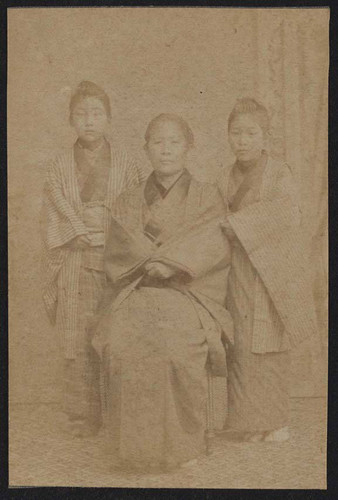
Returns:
<point x="135" y="173"/>
<point x="266" y="220"/>
<point x="126" y="249"/>
<point x="204" y="245"/>
<point x="270" y="233"/>
<point x="202" y="249"/>
<point x="61" y="220"/>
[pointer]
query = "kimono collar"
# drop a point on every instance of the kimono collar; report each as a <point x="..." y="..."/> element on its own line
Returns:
<point x="154" y="190"/>
<point x="93" y="169"/>
<point x="245" y="180"/>
<point x="84" y="155"/>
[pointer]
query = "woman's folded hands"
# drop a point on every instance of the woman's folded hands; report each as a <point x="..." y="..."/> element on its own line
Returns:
<point x="88" y="240"/>
<point x="159" y="270"/>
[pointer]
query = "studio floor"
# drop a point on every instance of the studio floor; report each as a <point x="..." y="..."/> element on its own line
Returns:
<point x="40" y="455"/>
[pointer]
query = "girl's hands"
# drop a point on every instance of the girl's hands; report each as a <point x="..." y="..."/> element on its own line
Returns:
<point x="229" y="232"/>
<point x="158" y="270"/>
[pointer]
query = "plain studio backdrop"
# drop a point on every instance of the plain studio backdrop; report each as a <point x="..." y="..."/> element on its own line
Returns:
<point x="192" y="61"/>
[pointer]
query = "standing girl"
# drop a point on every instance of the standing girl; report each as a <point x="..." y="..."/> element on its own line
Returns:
<point x="82" y="186"/>
<point x="269" y="296"/>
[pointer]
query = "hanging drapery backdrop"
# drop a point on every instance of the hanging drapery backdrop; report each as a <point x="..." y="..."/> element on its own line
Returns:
<point x="195" y="62"/>
<point x="292" y="72"/>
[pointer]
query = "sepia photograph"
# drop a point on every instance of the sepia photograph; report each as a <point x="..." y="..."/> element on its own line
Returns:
<point x="168" y="247"/>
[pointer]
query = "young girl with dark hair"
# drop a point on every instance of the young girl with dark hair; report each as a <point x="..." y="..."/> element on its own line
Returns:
<point x="82" y="186"/>
<point x="268" y="291"/>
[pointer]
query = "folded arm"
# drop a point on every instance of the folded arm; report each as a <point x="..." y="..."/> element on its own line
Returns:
<point x="266" y="219"/>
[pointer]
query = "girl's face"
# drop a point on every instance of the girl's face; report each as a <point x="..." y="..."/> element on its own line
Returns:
<point x="90" y="120"/>
<point x="246" y="138"/>
<point x="167" y="149"/>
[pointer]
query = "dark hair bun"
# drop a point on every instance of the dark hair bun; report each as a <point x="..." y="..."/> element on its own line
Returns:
<point x="89" y="89"/>
<point x="248" y="105"/>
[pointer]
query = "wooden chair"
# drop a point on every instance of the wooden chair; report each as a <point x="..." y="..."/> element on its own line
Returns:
<point x="216" y="408"/>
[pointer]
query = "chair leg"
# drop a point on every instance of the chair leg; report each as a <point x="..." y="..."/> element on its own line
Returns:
<point x="209" y="435"/>
<point x="210" y="431"/>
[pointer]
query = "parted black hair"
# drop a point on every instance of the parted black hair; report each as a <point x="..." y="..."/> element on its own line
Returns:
<point x="171" y="117"/>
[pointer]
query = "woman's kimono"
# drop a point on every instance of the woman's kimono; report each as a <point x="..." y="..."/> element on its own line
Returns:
<point x="156" y="337"/>
<point x="268" y="292"/>
<point x="80" y="190"/>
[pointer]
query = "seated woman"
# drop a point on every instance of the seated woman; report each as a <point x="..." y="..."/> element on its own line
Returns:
<point x="167" y="260"/>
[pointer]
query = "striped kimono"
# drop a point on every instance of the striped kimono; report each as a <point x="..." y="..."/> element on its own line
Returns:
<point x="74" y="277"/>
<point x="269" y="295"/>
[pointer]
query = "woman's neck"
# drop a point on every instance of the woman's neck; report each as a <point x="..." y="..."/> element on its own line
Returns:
<point x="92" y="145"/>
<point x="246" y="166"/>
<point x="167" y="181"/>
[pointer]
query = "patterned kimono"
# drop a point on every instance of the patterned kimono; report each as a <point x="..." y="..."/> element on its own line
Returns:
<point x="80" y="190"/>
<point x="269" y="294"/>
<point x="157" y="335"/>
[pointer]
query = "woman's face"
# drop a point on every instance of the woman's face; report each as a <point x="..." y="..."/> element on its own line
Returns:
<point x="167" y="149"/>
<point x="90" y="120"/>
<point x="246" y="138"/>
